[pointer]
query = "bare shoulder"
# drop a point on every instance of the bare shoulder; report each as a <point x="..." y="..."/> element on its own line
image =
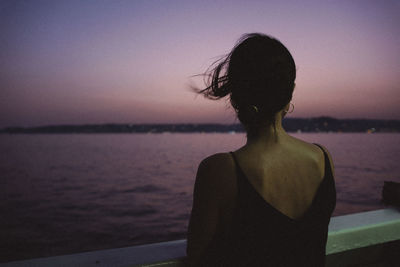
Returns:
<point x="217" y="165"/>
<point x="217" y="159"/>
<point x="315" y="152"/>
<point x="216" y="173"/>
<point x="321" y="147"/>
<point x="305" y="147"/>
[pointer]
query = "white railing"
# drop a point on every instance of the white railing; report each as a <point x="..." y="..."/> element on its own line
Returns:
<point x="355" y="239"/>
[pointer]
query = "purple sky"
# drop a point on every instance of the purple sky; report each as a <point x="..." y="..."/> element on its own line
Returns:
<point x="73" y="62"/>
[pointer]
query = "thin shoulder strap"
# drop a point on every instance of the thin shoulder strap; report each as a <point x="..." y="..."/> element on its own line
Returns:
<point x="330" y="192"/>
<point x="238" y="170"/>
<point x="328" y="168"/>
<point x="235" y="160"/>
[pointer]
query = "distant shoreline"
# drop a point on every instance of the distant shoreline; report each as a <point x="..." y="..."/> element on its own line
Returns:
<point x="319" y="124"/>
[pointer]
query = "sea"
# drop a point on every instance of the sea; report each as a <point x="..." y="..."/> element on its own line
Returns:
<point x="70" y="193"/>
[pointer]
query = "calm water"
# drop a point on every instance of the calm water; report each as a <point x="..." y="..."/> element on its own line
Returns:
<point x="62" y="194"/>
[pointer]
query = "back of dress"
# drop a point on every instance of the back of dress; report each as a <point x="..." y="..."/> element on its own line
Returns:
<point x="260" y="235"/>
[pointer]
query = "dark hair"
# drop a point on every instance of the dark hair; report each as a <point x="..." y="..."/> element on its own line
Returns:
<point x="258" y="75"/>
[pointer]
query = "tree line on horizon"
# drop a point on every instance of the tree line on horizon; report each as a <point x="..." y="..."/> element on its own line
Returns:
<point x="319" y="124"/>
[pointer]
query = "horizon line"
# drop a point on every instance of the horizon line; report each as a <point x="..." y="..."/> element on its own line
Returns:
<point x="191" y="123"/>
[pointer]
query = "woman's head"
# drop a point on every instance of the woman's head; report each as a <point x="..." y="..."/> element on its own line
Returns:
<point x="258" y="75"/>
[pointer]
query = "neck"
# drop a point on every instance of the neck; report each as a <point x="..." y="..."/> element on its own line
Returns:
<point x="269" y="135"/>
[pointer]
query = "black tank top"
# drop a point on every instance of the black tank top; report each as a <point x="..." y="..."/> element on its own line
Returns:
<point x="260" y="235"/>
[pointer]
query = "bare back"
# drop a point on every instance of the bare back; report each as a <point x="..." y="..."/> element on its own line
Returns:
<point x="286" y="175"/>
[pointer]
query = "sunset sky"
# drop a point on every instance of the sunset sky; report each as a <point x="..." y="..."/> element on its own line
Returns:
<point x="75" y="62"/>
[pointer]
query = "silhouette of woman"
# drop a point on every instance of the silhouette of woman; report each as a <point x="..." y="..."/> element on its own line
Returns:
<point x="268" y="203"/>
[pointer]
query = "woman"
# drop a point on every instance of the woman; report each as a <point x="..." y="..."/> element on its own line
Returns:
<point x="268" y="203"/>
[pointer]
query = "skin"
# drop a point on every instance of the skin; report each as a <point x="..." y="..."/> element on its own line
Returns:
<point x="284" y="170"/>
